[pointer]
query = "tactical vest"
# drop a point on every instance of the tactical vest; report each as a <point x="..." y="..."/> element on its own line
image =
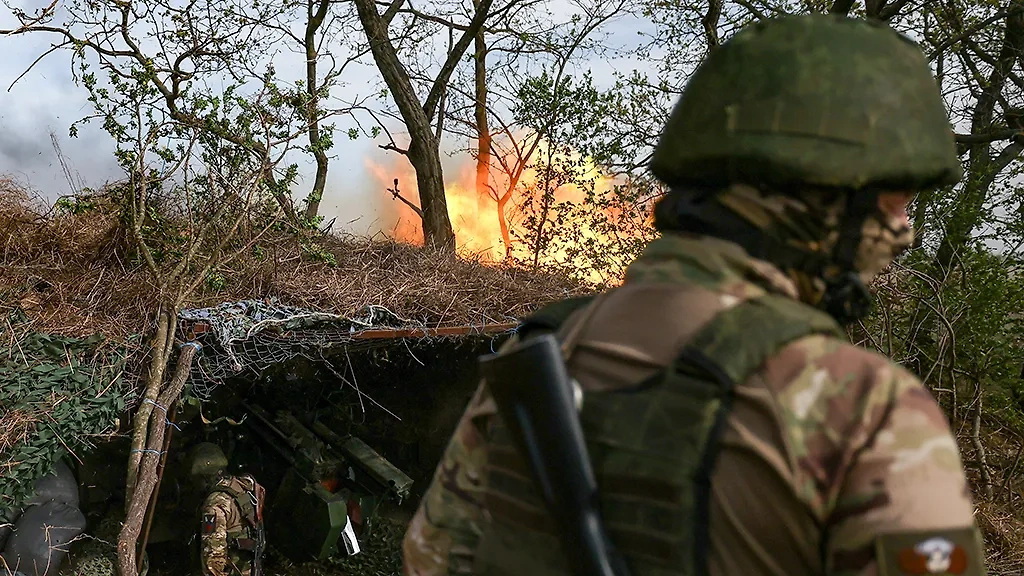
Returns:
<point x="653" y="447"/>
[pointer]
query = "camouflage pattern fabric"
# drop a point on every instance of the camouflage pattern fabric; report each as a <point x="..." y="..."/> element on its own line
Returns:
<point x="224" y="523"/>
<point x="834" y="460"/>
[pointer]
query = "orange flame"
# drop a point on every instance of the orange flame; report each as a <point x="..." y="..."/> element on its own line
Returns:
<point x="474" y="216"/>
<point x="474" y="219"/>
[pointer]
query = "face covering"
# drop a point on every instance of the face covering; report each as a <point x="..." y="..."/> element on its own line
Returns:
<point x="848" y="236"/>
<point x="884" y="236"/>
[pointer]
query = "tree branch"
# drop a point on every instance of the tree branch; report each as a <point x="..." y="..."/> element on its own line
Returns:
<point x="889" y="12"/>
<point x="710" y="23"/>
<point x="395" y="193"/>
<point x="430" y="105"/>
<point x="1002" y="134"/>
<point x="964" y="34"/>
<point x="841" y="7"/>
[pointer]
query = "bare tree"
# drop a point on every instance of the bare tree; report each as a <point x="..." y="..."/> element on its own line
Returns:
<point x="524" y="43"/>
<point x="212" y="203"/>
<point x="322" y="33"/>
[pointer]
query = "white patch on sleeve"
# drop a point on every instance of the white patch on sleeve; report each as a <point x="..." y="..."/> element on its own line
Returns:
<point x="728" y="300"/>
<point x="886" y="438"/>
<point x="803" y="400"/>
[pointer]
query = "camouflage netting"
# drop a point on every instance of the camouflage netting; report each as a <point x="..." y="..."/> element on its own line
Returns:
<point x="251" y="335"/>
<point x="58" y="395"/>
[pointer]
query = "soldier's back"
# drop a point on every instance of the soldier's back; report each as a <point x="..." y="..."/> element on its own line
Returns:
<point x="818" y="448"/>
<point x="826" y="448"/>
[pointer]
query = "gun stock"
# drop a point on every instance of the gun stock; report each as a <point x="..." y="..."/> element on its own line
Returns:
<point x="533" y="392"/>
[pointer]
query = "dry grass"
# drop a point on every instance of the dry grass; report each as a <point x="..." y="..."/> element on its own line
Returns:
<point x="74" y="276"/>
<point x="16" y="427"/>
<point x="1000" y="518"/>
<point x="1004" y="538"/>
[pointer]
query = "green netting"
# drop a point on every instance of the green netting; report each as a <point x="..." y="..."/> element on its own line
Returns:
<point x="58" y="395"/>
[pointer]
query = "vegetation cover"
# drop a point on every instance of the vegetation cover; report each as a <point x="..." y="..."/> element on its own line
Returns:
<point x="58" y="395"/>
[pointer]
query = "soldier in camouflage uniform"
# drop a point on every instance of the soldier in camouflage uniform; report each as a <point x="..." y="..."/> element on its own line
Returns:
<point x="231" y="530"/>
<point x="732" y="428"/>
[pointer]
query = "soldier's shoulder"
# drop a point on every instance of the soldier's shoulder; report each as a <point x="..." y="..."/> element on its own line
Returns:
<point x="837" y="400"/>
<point x="823" y="357"/>
<point x="823" y="379"/>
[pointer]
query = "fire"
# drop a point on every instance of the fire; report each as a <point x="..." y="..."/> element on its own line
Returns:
<point x="474" y="219"/>
<point x="474" y="216"/>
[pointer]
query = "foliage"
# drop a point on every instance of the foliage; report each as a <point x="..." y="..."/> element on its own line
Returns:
<point x="209" y="66"/>
<point x="613" y="227"/>
<point x="567" y="211"/>
<point x="57" y="395"/>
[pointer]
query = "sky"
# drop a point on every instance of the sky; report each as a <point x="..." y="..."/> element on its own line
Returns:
<point x="47" y="100"/>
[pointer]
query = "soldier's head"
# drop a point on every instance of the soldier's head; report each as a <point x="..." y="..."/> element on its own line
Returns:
<point x="205" y="464"/>
<point x="804" y="139"/>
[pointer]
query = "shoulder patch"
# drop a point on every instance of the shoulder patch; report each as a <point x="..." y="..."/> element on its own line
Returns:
<point x="945" y="552"/>
<point x="209" y="521"/>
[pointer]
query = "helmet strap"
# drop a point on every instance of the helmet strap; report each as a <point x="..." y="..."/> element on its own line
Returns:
<point x="846" y="297"/>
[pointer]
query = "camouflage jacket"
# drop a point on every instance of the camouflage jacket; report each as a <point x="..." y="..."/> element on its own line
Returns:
<point x="833" y="460"/>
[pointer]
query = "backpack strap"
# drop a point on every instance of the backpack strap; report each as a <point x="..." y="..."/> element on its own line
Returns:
<point x="243" y="497"/>
<point x="739" y="339"/>
<point x="724" y="352"/>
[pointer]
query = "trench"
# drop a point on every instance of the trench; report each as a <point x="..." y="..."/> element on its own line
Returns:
<point x="410" y="396"/>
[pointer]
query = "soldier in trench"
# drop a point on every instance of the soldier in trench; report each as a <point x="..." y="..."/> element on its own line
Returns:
<point x="231" y="531"/>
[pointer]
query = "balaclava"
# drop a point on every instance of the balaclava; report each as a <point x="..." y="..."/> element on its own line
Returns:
<point x="831" y="243"/>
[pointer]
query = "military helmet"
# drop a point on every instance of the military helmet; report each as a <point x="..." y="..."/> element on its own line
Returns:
<point x="206" y="459"/>
<point x="819" y="100"/>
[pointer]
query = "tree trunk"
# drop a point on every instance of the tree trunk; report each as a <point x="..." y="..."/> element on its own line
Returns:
<point x="426" y="159"/>
<point x="128" y="537"/>
<point x="548" y="199"/>
<point x="503" y="222"/>
<point x="165" y="326"/>
<point x="423" y="147"/>
<point x="513" y="183"/>
<point x="979" y="447"/>
<point x="981" y="171"/>
<point x="983" y="167"/>
<point x="483" y="131"/>
<point x="424" y="152"/>
<point x="313" y="22"/>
